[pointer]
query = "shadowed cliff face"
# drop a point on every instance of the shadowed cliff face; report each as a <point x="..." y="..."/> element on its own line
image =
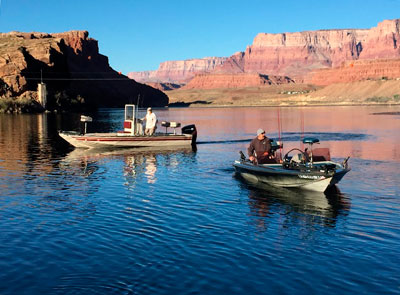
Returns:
<point x="71" y="67"/>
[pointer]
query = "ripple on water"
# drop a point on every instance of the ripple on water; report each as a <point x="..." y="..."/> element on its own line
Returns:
<point x="180" y="222"/>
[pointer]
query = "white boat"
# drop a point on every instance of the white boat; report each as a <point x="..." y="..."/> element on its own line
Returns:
<point x="132" y="135"/>
<point x="302" y="170"/>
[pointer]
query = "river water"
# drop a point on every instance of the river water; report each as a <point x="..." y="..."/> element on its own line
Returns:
<point x="180" y="222"/>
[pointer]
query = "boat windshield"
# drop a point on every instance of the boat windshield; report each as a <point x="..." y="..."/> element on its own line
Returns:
<point x="129" y="112"/>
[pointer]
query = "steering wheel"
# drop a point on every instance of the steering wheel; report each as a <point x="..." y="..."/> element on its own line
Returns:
<point x="285" y="158"/>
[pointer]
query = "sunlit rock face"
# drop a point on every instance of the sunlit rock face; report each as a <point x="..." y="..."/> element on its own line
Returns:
<point x="298" y="55"/>
<point x="178" y="71"/>
<point x="68" y="62"/>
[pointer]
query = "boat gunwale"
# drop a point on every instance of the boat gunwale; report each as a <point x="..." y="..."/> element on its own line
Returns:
<point x="279" y="169"/>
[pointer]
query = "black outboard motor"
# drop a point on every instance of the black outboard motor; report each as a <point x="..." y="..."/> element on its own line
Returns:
<point x="190" y="129"/>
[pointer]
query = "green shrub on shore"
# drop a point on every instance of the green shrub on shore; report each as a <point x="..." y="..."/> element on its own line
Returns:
<point x="18" y="105"/>
<point x="383" y="99"/>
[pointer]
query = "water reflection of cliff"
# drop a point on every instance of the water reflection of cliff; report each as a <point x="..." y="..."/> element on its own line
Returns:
<point x="30" y="151"/>
<point x="295" y="207"/>
<point x="383" y="142"/>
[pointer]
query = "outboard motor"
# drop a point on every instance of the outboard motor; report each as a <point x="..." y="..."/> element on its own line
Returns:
<point x="190" y="129"/>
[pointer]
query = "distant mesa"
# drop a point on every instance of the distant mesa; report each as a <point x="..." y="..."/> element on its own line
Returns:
<point x="75" y="72"/>
<point x="178" y="71"/>
<point x="242" y="80"/>
<point x="318" y="57"/>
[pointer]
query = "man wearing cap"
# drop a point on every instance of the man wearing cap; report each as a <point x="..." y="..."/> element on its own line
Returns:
<point x="260" y="148"/>
<point x="151" y="121"/>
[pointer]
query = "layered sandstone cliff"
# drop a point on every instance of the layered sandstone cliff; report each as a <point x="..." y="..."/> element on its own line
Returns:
<point x="71" y="66"/>
<point x="210" y="81"/>
<point x="351" y="71"/>
<point x="296" y="54"/>
<point x="179" y="71"/>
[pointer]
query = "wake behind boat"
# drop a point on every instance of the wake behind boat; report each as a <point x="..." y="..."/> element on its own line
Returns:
<point x="305" y="170"/>
<point x="132" y="135"/>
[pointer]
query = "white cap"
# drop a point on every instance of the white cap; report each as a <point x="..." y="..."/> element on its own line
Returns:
<point x="260" y="131"/>
<point x="149" y="109"/>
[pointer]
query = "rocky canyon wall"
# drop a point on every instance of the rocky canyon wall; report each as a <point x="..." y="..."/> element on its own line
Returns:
<point x="70" y="64"/>
<point x="298" y="55"/>
<point x="179" y="71"/>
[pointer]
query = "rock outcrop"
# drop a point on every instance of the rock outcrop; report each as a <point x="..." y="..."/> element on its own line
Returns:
<point x="71" y="66"/>
<point x="210" y="81"/>
<point x="179" y="71"/>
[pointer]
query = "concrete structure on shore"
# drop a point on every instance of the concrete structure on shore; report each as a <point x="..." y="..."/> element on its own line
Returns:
<point x="42" y="94"/>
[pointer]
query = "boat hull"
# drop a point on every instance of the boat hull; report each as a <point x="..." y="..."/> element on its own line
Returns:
<point x="278" y="176"/>
<point x="115" y="140"/>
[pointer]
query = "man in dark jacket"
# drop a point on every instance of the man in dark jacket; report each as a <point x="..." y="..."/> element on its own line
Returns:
<point x="260" y="148"/>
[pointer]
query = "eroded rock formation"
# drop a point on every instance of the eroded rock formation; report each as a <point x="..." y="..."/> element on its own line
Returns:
<point x="210" y="81"/>
<point x="178" y="71"/>
<point x="298" y="54"/>
<point x="71" y="66"/>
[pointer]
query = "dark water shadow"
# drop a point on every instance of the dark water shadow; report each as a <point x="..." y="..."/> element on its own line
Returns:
<point x="387" y="113"/>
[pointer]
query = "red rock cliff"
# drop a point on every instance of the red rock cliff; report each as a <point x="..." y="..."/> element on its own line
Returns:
<point x="179" y="71"/>
<point x="70" y="63"/>
<point x="296" y="54"/>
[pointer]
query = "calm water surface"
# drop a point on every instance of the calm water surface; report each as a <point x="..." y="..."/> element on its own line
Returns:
<point x="180" y="222"/>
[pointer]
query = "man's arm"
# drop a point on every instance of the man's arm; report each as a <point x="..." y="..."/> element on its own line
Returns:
<point x="250" y="151"/>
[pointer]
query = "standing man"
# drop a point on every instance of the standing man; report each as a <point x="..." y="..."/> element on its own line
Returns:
<point x="260" y="148"/>
<point x="151" y="121"/>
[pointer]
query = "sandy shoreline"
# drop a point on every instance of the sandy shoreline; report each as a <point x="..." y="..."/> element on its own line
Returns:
<point x="367" y="92"/>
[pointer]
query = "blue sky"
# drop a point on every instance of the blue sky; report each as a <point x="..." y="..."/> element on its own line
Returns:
<point x="137" y="35"/>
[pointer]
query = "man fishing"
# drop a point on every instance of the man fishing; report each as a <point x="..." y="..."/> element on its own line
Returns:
<point x="260" y="148"/>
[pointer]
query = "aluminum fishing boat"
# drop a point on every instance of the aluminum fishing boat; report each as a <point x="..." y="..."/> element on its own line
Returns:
<point x="132" y="134"/>
<point x="309" y="170"/>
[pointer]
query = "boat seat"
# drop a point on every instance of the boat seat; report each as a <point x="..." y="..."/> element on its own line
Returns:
<point x="170" y="124"/>
<point x="310" y="140"/>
